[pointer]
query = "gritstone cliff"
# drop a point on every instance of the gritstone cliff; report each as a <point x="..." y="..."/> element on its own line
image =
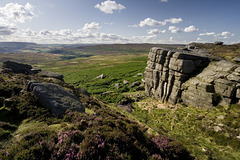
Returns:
<point x="192" y="77"/>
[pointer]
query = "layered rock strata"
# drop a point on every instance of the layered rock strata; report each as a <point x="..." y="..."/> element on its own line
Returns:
<point x="187" y="76"/>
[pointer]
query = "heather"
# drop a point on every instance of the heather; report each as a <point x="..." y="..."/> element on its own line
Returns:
<point x="30" y="131"/>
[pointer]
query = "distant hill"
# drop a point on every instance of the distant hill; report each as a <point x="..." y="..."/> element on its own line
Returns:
<point x="6" y="47"/>
<point x="19" y="47"/>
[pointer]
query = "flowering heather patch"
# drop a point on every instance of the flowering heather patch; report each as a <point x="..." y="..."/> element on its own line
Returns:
<point x="161" y="142"/>
<point x="104" y="134"/>
<point x="68" y="144"/>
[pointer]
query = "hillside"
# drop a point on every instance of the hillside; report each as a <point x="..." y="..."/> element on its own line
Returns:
<point x="29" y="130"/>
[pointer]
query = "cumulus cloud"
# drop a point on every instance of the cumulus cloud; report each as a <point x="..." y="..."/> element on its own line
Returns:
<point x="174" y="20"/>
<point x="45" y="32"/>
<point x="155" y="31"/>
<point x="164" y="0"/>
<point x="94" y="26"/>
<point x="7" y="30"/>
<point x="108" y="6"/>
<point x="226" y="33"/>
<point x="69" y="36"/>
<point x="15" y="12"/>
<point x="29" y="32"/>
<point x="154" y="23"/>
<point x="174" y="29"/>
<point x="191" y="29"/>
<point x="207" y="34"/>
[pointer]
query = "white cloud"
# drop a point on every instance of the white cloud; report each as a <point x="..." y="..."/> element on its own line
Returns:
<point x="164" y="0"/>
<point x="63" y="32"/>
<point x="174" y="20"/>
<point x="155" y="31"/>
<point x="191" y="29"/>
<point x="14" y="12"/>
<point x="151" y="22"/>
<point x="226" y="33"/>
<point x="45" y="32"/>
<point x="94" y="26"/>
<point x="207" y="34"/>
<point x="29" y="32"/>
<point x="154" y="23"/>
<point x="108" y="6"/>
<point x="7" y="30"/>
<point x="174" y="29"/>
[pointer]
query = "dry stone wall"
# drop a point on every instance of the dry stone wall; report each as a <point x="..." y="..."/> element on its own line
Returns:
<point x="190" y="77"/>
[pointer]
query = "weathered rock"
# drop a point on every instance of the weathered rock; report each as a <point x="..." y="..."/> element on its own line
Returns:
<point x="217" y="128"/>
<point x="35" y="70"/>
<point x="224" y="88"/>
<point x="125" y="82"/>
<point x="236" y="59"/>
<point x="16" y="67"/>
<point x="83" y="91"/>
<point x="218" y="43"/>
<point x="106" y="93"/>
<point x="189" y="78"/>
<point x="134" y="84"/>
<point x="238" y="93"/>
<point x="139" y="74"/>
<point x="102" y="76"/>
<point x="49" y="74"/>
<point x="117" y="85"/>
<point x="9" y="103"/>
<point x="140" y="88"/>
<point x="55" y="97"/>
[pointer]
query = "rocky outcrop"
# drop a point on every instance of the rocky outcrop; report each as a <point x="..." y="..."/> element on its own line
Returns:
<point x="218" y="84"/>
<point x="185" y="76"/>
<point x="55" y="97"/>
<point x="10" y="66"/>
<point x="15" y="67"/>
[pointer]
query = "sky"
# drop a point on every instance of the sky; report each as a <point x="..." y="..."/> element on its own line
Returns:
<point x="120" y="21"/>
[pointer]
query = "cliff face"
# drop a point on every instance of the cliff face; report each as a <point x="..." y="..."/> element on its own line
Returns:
<point x="190" y="77"/>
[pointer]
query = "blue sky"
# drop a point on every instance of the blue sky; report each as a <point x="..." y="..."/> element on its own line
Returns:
<point x="120" y="21"/>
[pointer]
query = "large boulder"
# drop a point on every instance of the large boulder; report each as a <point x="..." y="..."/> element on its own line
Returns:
<point x="17" y="67"/>
<point x="55" y="97"/>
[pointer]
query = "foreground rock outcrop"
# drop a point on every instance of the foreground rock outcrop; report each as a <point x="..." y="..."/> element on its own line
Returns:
<point x="55" y="97"/>
<point x="192" y="77"/>
<point x="10" y="66"/>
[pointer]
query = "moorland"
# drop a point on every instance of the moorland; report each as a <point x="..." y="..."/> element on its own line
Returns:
<point x="120" y="121"/>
